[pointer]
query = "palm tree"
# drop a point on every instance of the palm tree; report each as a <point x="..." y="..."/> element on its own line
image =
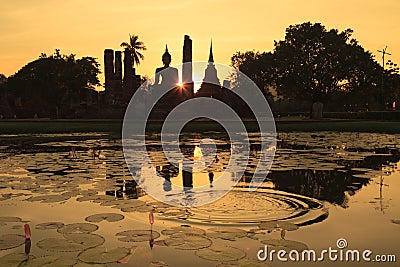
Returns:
<point x="133" y="46"/>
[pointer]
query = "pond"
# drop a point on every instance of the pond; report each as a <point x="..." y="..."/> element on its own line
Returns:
<point x="84" y="208"/>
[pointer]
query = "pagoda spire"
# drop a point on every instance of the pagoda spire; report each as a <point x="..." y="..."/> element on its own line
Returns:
<point x="211" y="57"/>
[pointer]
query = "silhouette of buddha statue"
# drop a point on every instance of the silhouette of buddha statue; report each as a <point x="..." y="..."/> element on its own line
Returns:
<point x="169" y="75"/>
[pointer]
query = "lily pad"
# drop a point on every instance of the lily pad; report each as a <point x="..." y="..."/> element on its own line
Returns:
<point x="144" y="208"/>
<point x="49" y="198"/>
<point x="39" y="262"/>
<point x="71" y="242"/>
<point x="286" y="245"/>
<point x="86" y="240"/>
<point x="48" y="261"/>
<point x="78" y="228"/>
<point x="82" y="264"/>
<point x="252" y="263"/>
<point x="59" y="245"/>
<point x="221" y="253"/>
<point x="183" y="229"/>
<point x="119" y="204"/>
<point x="49" y="225"/>
<point x="110" y="217"/>
<point x="187" y="241"/>
<point x="226" y="233"/>
<point x="8" y="241"/>
<point x="244" y="263"/>
<point x="10" y="219"/>
<point x="273" y="225"/>
<point x="137" y="235"/>
<point x="103" y="255"/>
<point x="13" y="259"/>
<point x="158" y="264"/>
<point x="96" y="198"/>
<point x="396" y="221"/>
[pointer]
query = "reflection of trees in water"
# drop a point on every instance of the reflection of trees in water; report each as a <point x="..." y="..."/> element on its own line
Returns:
<point x="329" y="185"/>
<point x="334" y="186"/>
<point x="127" y="189"/>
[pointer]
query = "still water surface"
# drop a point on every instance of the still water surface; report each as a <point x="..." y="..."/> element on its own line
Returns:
<point x="322" y="186"/>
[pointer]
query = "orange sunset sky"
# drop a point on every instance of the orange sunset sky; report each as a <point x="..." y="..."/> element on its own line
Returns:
<point x="87" y="27"/>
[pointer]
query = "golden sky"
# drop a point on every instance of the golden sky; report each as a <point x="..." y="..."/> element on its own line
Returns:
<point x="87" y="27"/>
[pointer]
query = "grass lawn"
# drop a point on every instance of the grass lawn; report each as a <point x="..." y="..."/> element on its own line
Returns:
<point x="113" y="128"/>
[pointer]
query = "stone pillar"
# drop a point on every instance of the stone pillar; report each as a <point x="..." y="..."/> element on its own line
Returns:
<point x="187" y="76"/>
<point x="128" y="70"/>
<point x="118" y="78"/>
<point x="118" y="65"/>
<point x="109" y="74"/>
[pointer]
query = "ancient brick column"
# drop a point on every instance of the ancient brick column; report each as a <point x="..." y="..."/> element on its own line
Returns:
<point x="118" y="94"/>
<point x="109" y="75"/>
<point x="187" y="76"/>
<point x="128" y="70"/>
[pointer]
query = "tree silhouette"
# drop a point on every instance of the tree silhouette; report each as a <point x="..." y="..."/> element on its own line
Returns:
<point x="134" y="46"/>
<point x="54" y="85"/>
<point x="314" y="64"/>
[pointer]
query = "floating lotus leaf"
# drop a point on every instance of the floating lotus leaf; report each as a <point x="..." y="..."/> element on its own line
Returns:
<point x="244" y="263"/>
<point x="13" y="259"/>
<point x="39" y="262"/>
<point x="59" y="245"/>
<point x="110" y="217"/>
<point x="78" y="228"/>
<point x="10" y="219"/>
<point x="124" y="203"/>
<point x="86" y="240"/>
<point x="187" y="241"/>
<point x="96" y="198"/>
<point x="137" y="235"/>
<point x="144" y="208"/>
<point x="226" y="264"/>
<point x="273" y="225"/>
<point x="8" y="241"/>
<point x="251" y="263"/>
<point x="158" y="264"/>
<point x="103" y="255"/>
<point x="226" y="233"/>
<point x="175" y="213"/>
<point x="49" y="225"/>
<point x="82" y="264"/>
<point x="283" y="244"/>
<point x="62" y="262"/>
<point x="221" y="253"/>
<point x="396" y="221"/>
<point x="49" y="198"/>
<point x="183" y="229"/>
<point x="48" y="261"/>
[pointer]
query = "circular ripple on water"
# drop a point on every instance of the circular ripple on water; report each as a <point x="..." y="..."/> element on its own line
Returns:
<point x="240" y="207"/>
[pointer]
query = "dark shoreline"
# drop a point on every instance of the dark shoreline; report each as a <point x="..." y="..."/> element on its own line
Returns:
<point x="113" y="127"/>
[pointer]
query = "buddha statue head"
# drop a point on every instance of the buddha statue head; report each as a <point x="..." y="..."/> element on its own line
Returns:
<point x="166" y="57"/>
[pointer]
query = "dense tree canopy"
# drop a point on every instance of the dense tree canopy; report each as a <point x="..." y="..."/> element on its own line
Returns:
<point x="54" y="83"/>
<point x="315" y="64"/>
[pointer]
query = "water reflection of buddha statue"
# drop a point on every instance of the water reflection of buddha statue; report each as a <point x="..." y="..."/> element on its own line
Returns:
<point x="169" y="75"/>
